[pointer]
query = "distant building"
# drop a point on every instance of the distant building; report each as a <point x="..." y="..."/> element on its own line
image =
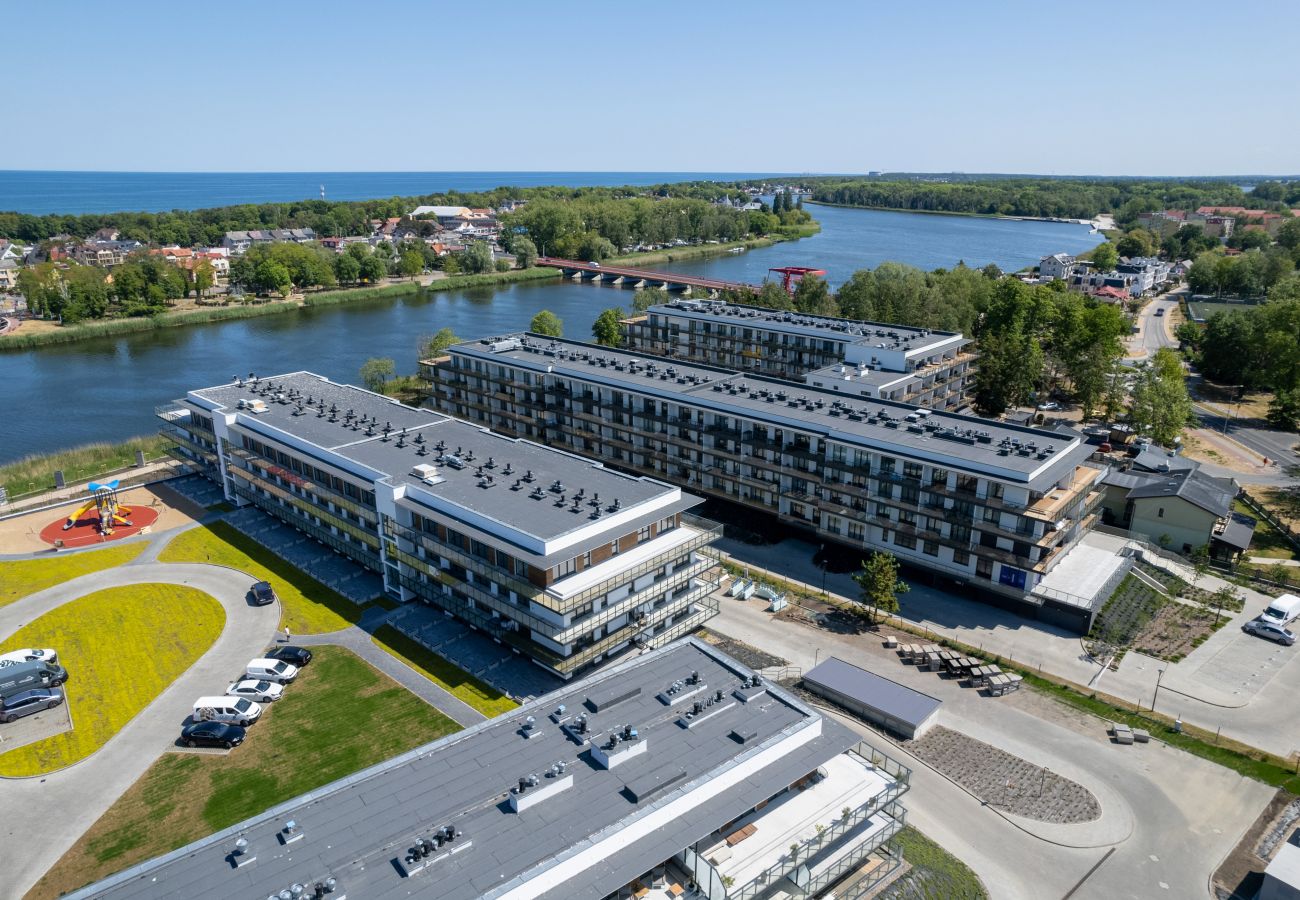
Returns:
<point x="1057" y="266"/>
<point x="9" y="269"/>
<point x="238" y="242"/>
<point x="103" y="253"/>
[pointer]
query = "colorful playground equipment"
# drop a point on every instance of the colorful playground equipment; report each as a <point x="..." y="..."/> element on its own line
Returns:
<point x="104" y="501"/>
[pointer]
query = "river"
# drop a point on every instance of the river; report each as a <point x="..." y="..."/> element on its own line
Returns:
<point x="106" y="389"/>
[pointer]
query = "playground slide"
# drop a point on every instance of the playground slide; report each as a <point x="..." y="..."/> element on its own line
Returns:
<point x="81" y="511"/>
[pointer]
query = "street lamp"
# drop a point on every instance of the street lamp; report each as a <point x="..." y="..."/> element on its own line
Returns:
<point x="822" y="554"/>
<point x="1159" y="674"/>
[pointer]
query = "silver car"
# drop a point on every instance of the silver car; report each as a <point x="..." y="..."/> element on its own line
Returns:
<point x="261" y="691"/>
<point x="1269" y="631"/>
<point x="28" y="702"/>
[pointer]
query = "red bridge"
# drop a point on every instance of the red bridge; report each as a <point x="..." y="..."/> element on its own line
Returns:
<point x="630" y="275"/>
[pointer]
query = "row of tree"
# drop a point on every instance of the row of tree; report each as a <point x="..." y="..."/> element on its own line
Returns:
<point x="1254" y="273"/>
<point x="1047" y="197"/>
<point x="142" y="286"/>
<point x="329" y="218"/>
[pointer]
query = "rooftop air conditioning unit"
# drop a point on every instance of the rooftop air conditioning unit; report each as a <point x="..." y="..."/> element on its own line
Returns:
<point x="257" y="406"/>
<point x="427" y="473"/>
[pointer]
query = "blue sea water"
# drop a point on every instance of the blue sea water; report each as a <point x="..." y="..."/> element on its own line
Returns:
<point x="70" y="193"/>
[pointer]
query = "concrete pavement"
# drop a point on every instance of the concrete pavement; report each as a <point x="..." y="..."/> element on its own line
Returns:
<point x="1171" y="816"/>
<point x="70" y="801"/>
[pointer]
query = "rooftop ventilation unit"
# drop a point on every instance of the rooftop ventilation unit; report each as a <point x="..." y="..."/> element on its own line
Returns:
<point x="427" y="473"/>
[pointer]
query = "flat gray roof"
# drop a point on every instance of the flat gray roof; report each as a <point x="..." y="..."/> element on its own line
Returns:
<point x="853" y="331"/>
<point x="484" y="453"/>
<point x="948" y="439"/>
<point x="355" y="829"/>
<point x="897" y="701"/>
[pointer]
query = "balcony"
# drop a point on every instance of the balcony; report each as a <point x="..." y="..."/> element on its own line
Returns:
<point x="1055" y="501"/>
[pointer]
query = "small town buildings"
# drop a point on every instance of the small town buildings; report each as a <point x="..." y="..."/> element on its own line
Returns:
<point x="678" y="773"/>
<point x="238" y="242"/>
<point x="862" y="359"/>
<point x="970" y="500"/>
<point x="558" y="557"/>
<point x="9" y="269"/>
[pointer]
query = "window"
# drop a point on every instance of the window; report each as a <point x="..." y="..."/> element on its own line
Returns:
<point x="887" y="464"/>
<point x="566" y="568"/>
<point x="643" y="535"/>
<point x="992" y="515"/>
<point x="930" y="548"/>
<point x="586" y="560"/>
<point x="856" y="531"/>
<point x="910" y="493"/>
<point x="905" y="540"/>
<point x="984" y="567"/>
<point x="1160" y="513"/>
<point x="833" y="524"/>
<point x="912" y="470"/>
<point x="882" y="511"/>
<point x="938" y="476"/>
<point x="613" y="548"/>
<point x="961" y="557"/>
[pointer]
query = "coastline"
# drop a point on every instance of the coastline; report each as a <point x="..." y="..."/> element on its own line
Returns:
<point x="1100" y="222"/>
<point x="18" y="341"/>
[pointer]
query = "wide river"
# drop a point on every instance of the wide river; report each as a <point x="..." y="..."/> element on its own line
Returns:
<point x="106" y="389"/>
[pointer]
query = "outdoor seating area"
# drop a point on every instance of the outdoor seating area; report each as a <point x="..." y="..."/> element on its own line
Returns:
<point x="664" y="882"/>
<point x="476" y="653"/>
<point x="976" y="673"/>
<point x="335" y="571"/>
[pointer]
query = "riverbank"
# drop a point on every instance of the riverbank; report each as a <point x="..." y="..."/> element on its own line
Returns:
<point x="704" y="251"/>
<point x="113" y="327"/>
<point x="35" y="473"/>
<point x="1102" y="219"/>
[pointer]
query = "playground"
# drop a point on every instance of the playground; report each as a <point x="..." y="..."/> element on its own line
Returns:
<point x="155" y="508"/>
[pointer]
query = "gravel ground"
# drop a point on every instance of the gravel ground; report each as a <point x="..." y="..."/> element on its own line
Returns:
<point x="1005" y="781"/>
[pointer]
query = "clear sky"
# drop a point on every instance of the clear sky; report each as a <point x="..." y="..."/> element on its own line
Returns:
<point x="1136" y="87"/>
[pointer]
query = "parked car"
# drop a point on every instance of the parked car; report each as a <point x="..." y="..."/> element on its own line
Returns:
<point x="1269" y="631"/>
<point x="299" y="656"/>
<point x="1160" y="311"/>
<point x="1049" y="406"/>
<point x="28" y="702"/>
<point x="276" y="670"/>
<point x="263" y="594"/>
<point x="212" y="734"/>
<point x="231" y="710"/>
<point x="261" y="691"/>
<point x="14" y="657"/>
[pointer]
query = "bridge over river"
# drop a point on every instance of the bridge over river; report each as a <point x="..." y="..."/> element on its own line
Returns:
<point x="641" y="278"/>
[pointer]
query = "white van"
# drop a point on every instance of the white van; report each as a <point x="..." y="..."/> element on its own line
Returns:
<point x="230" y="710"/>
<point x="276" y="670"/>
<point x="1282" y="610"/>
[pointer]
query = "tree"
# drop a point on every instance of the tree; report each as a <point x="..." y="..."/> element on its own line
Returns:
<point x="203" y="277"/>
<point x="1137" y="242"/>
<point x="376" y="371"/>
<point x="1289" y="234"/>
<point x="607" y="329"/>
<point x="525" y="251"/>
<point x="643" y="299"/>
<point x="1284" y="410"/>
<point x="412" y="262"/>
<point x="1160" y="406"/>
<point x="880" y="584"/>
<point x="813" y="296"/>
<point x="1104" y="256"/>
<point x="435" y="346"/>
<point x="477" y="258"/>
<point x="373" y="268"/>
<point x="347" y="267"/>
<point x="272" y="277"/>
<point x="1200" y="563"/>
<point x="547" y="323"/>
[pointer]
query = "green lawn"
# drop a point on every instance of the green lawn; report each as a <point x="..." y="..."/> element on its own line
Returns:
<point x="935" y="874"/>
<point x="308" y="607"/>
<point x="121" y="647"/>
<point x="339" y="717"/>
<point x="1267" y="540"/>
<point x="457" y="682"/>
<point x="27" y="576"/>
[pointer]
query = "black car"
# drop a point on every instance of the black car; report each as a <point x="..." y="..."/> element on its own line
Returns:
<point x="212" y="734"/>
<point x="299" y="656"/>
<point x="263" y="594"/>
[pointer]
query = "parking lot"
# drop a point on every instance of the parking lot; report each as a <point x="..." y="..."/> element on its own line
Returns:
<point x="35" y="727"/>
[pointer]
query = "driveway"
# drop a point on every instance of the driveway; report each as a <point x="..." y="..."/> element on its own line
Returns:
<point x="1171" y="817"/>
<point x="70" y="801"/>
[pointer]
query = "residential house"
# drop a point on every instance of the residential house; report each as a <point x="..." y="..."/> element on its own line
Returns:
<point x="238" y="242"/>
<point x="8" y="274"/>
<point x="103" y="253"/>
<point x="1057" y="266"/>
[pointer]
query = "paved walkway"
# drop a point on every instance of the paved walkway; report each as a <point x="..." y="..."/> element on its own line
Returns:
<point x="1172" y="816"/>
<point x="72" y="800"/>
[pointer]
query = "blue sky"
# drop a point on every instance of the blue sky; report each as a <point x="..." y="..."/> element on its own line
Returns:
<point x="1106" y="88"/>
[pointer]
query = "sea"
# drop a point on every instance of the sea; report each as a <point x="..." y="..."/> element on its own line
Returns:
<point x="72" y="193"/>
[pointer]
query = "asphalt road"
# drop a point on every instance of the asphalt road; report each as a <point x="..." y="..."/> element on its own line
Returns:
<point x="1278" y="446"/>
<point x="1153" y="335"/>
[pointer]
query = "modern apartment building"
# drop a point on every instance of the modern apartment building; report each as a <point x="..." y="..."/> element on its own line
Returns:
<point x="977" y="501"/>
<point x="865" y="359"/>
<point x="678" y="773"/>
<point x="566" y="561"/>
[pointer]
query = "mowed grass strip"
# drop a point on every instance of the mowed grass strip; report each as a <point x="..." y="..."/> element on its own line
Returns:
<point x="308" y="607"/>
<point x="339" y="717"/>
<point x="19" y="578"/>
<point x="451" y="678"/>
<point x="122" y="647"/>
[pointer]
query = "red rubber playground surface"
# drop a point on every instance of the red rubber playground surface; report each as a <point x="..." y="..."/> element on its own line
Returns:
<point x="86" y="529"/>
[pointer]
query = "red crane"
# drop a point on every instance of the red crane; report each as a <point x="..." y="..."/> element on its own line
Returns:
<point x="792" y="275"/>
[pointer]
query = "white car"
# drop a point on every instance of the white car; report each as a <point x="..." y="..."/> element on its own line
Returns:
<point x="261" y="691"/>
<point x="1049" y="406"/>
<point x="276" y="670"/>
<point x="15" y="657"/>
